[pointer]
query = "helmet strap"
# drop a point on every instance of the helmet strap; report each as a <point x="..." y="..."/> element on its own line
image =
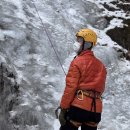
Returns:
<point x="80" y="50"/>
<point x="85" y="46"/>
<point x="88" y="45"/>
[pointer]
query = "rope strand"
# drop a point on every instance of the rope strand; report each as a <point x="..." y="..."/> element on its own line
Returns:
<point x="49" y="37"/>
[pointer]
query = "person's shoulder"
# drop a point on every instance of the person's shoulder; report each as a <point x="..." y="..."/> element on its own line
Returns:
<point x="79" y="60"/>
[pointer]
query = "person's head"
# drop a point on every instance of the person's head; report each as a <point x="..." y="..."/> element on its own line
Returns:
<point x="86" y="39"/>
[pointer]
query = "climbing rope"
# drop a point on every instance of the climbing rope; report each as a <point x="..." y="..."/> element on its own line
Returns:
<point x="46" y="31"/>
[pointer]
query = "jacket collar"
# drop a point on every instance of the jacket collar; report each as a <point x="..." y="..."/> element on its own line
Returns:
<point x="86" y="52"/>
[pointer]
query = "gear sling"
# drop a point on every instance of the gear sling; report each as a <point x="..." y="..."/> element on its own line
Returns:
<point x="92" y="94"/>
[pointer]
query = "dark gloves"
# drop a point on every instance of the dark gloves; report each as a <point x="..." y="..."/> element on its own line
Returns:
<point x="62" y="116"/>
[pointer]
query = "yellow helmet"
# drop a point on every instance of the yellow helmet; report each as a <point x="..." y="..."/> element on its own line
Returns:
<point x="88" y="35"/>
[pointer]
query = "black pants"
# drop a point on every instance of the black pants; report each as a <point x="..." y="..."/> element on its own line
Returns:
<point x="80" y="115"/>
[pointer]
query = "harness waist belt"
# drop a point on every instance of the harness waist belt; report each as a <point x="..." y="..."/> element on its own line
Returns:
<point x="89" y="93"/>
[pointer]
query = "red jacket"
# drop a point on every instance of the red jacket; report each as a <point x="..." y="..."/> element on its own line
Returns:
<point x="85" y="72"/>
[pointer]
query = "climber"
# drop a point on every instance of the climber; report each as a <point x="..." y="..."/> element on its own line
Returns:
<point x="81" y="103"/>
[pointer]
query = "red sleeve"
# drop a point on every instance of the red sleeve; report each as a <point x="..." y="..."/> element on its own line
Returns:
<point x="72" y="80"/>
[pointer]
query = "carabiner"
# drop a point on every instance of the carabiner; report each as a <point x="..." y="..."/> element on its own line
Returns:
<point x="82" y="95"/>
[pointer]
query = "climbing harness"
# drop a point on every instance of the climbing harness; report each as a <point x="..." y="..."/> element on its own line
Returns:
<point x="46" y="31"/>
<point x="92" y="124"/>
<point x="80" y="96"/>
<point x="88" y="93"/>
<point x="75" y="123"/>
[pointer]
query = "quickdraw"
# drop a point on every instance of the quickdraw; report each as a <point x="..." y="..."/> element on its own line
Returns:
<point x="80" y="92"/>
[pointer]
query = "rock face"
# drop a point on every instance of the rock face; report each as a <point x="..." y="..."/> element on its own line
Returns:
<point x="9" y="91"/>
<point x="121" y="35"/>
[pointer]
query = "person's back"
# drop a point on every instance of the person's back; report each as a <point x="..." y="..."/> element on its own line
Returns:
<point x="93" y="71"/>
<point x="85" y="82"/>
